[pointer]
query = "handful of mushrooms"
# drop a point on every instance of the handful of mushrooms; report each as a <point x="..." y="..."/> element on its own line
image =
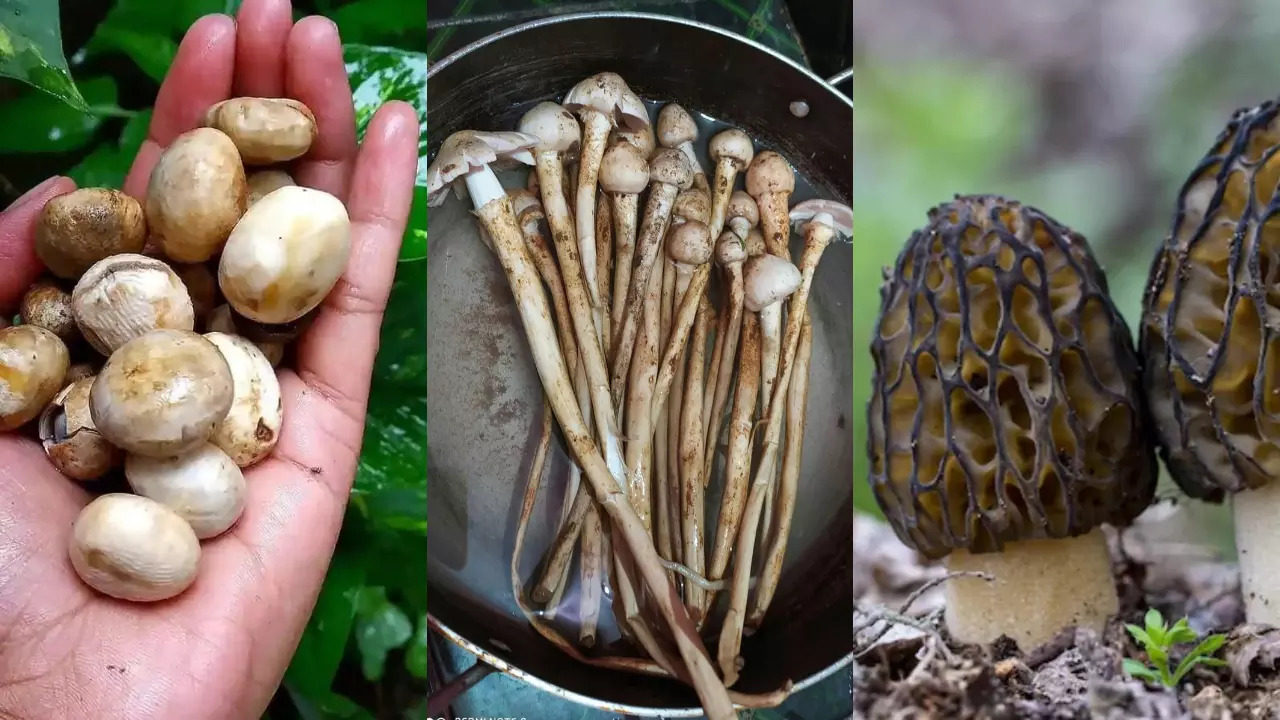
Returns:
<point x="638" y="355"/>
<point x="151" y="348"/>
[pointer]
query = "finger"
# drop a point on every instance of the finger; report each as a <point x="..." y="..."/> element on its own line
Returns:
<point x="19" y="266"/>
<point x="200" y="76"/>
<point x="316" y="74"/>
<point x="262" y="30"/>
<point x="351" y="316"/>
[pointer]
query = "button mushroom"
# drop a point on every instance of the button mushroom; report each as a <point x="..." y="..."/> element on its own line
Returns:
<point x="251" y="427"/>
<point x="196" y="195"/>
<point x="677" y="129"/>
<point x="33" y="362"/>
<point x="263" y="182"/>
<point x="285" y="255"/>
<point x="265" y="130"/>
<point x="132" y="548"/>
<point x="49" y="307"/>
<point x="70" y="439"/>
<point x="84" y="226"/>
<point x="161" y="394"/>
<point x="125" y="296"/>
<point x="204" y="486"/>
<point x="1005" y="422"/>
<point x="771" y="181"/>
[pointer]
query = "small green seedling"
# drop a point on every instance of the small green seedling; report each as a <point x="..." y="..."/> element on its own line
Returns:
<point x="1157" y="639"/>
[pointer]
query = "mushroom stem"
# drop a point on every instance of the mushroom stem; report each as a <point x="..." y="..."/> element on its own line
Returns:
<point x="775" y="223"/>
<point x="604" y="259"/>
<point x="672" y="429"/>
<point x="721" y="321"/>
<point x="639" y="415"/>
<point x="682" y="324"/>
<point x="595" y="132"/>
<point x="738" y="455"/>
<point x="1257" y="537"/>
<point x="726" y="175"/>
<point x="495" y="212"/>
<point x="692" y="499"/>
<point x="555" y="571"/>
<point x="668" y="542"/>
<point x="770" y="347"/>
<point x="729" y="350"/>
<point x="789" y="480"/>
<point x="625" y="208"/>
<point x="571" y="268"/>
<point x="592" y="566"/>
<point x="1037" y="588"/>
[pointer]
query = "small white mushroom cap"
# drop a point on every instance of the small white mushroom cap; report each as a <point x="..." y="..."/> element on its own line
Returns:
<point x="624" y="169"/>
<point x="754" y="242"/>
<point x="608" y="94"/>
<point x="689" y="243"/>
<point x="133" y="548"/>
<point x="470" y="151"/>
<point x="733" y="144"/>
<point x="251" y="428"/>
<point x="203" y="486"/>
<point x="742" y="205"/>
<point x="730" y="249"/>
<point x="671" y="167"/>
<point x="766" y="280"/>
<point x="643" y="139"/>
<point x="692" y="204"/>
<point x="837" y="216"/>
<point x="556" y="128"/>
<point x="769" y="173"/>
<point x="675" y="126"/>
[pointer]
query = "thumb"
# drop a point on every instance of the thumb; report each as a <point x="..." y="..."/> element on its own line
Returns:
<point x="19" y="266"/>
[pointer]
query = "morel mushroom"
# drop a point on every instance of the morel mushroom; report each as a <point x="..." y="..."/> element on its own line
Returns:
<point x="1211" y="349"/>
<point x="1005" y="420"/>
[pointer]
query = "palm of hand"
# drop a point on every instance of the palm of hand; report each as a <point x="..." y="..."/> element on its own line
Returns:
<point x="220" y="649"/>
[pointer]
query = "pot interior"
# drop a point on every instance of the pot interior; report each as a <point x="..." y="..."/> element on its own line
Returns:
<point x="485" y="399"/>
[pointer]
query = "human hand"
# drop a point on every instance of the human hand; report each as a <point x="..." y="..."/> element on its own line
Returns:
<point x="220" y="649"/>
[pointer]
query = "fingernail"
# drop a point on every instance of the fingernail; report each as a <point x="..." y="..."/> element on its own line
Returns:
<point x="31" y="194"/>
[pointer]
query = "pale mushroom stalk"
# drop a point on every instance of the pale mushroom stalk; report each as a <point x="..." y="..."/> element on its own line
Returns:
<point x="624" y="174"/>
<point x="669" y="173"/>
<point x="730" y="253"/>
<point x="553" y="132"/>
<point x="459" y="152"/>
<point x="556" y="573"/>
<point x="672" y="430"/>
<point x="678" y="130"/>
<point x="601" y="101"/>
<point x="737" y="471"/>
<point x="720" y="322"/>
<point x="732" y="152"/>
<point x="604" y="263"/>
<point x="788" y="480"/>
<point x="819" y="232"/>
<point x="592" y="566"/>
<point x="692" y="499"/>
<point x="669" y="543"/>
<point x="771" y="181"/>
<point x="639" y="415"/>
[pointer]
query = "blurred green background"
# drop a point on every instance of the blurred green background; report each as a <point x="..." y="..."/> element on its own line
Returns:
<point x="1093" y="111"/>
<point x="364" y="654"/>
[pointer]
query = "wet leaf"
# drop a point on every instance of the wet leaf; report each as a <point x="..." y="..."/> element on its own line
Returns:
<point x="1253" y="653"/>
<point x="326" y="705"/>
<point x="31" y="49"/>
<point x="109" y="163"/>
<point x="415" y="656"/>
<point x="381" y="627"/>
<point x="148" y="32"/>
<point x="325" y="638"/>
<point x="37" y="122"/>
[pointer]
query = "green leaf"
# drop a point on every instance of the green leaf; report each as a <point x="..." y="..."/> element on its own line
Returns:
<point x="379" y="21"/>
<point x="31" y="49"/>
<point x="1140" y="635"/>
<point x="325" y="638"/>
<point x="148" y="32"/>
<point x="1155" y="626"/>
<point x="152" y="53"/>
<point x="109" y="163"/>
<point x="415" y="656"/>
<point x="381" y="627"/>
<point x="40" y="123"/>
<point x="327" y="706"/>
<point x="1137" y="670"/>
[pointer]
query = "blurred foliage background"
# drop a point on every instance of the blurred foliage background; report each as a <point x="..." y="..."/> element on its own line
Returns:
<point x="1093" y="111"/>
<point x="78" y="79"/>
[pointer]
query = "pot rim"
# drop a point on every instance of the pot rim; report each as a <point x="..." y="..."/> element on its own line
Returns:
<point x="482" y="654"/>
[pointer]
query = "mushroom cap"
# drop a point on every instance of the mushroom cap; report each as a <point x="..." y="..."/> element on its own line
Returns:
<point x="670" y="166"/>
<point x="769" y="173"/>
<point x="689" y="243"/>
<point x="692" y="204"/>
<point x="730" y="250"/>
<point x="754" y="242"/>
<point x="744" y="206"/>
<point x="675" y="126"/>
<point x="556" y="129"/>
<point x="837" y="216"/>
<point x="767" y="279"/>
<point x="643" y="139"/>
<point x="608" y="94"/>
<point x="733" y="144"/>
<point x="624" y="169"/>
<point x="467" y="151"/>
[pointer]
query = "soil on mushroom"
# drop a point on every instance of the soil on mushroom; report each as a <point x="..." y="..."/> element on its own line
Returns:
<point x="907" y="667"/>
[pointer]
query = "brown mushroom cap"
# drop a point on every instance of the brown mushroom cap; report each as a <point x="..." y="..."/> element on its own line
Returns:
<point x="468" y="151"/>
<point x="689" y="243"/>
<point x="607" y="93"/>
<point x="742" y="205"/>
<point x="730" y="250"/>
<point x="733" y="144"/>
<point x="766" y="279"/>
<point x="769" y="173"/>
<point x="675" y="126"/>
<point x="670" y="166"/>
<point x="624" y="169"/>
<point x="70" y="439"/>
<point x="643" y="139"/>
<point x="86" y="225"/>
<point x="692" y="204"/>
<point x="1005" y="403"/>
<point x="557" y="129"/>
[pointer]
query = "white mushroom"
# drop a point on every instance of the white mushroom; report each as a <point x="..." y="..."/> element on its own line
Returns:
<point x="732" y="151"/>
<point x="125" y="296"/>
<point x="624" y="174"/>
<point x="251" y="428"/>
<point x="133" y="548"/>
<point x="203" y="486"/>
<point x="677" y="129"/>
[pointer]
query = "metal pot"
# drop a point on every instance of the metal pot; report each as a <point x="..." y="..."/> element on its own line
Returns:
<point x="485" y="398"/>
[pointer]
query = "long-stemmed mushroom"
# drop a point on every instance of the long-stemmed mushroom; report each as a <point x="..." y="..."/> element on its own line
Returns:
<point x="640" y="416"/>
<point x="593" y="563"/>
<point x="602" y="101"/>
<point x="677" y="129"/>
<point x="669" y="173"/>
<point x="604" y="266"/>
<point x="691" y="483"/>
<point x="818" y="233"/>
<point x="770" y="181"/>
<point x="468" y="154"/>
<point x="624" y="174"/>
<point x="555" y="132"/>
<point x="732" y="152"/>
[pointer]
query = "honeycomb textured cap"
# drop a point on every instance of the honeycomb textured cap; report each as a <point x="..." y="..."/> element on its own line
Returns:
<point x="1210" y="329"/>
<point x="1005" y="402"/>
